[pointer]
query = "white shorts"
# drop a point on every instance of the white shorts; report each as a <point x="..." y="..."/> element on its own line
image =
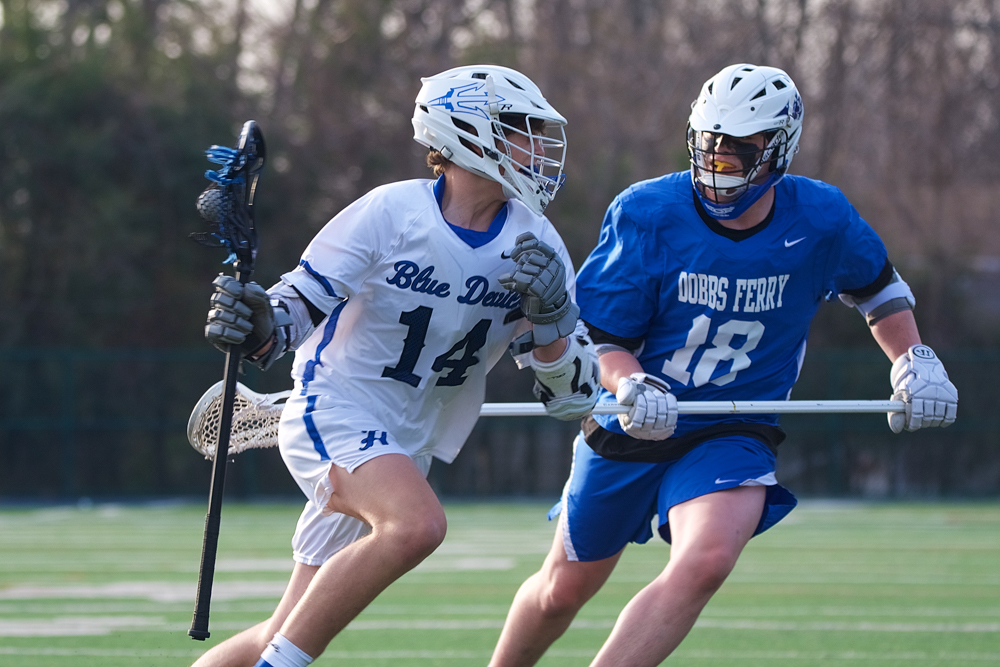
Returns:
<point x="315" y="432"/>
<point x="319" y="536"/>
<point x="313" y="435"/>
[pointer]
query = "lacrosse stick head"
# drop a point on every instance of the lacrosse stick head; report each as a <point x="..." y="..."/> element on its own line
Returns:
<point x="227" y="204"/>
<point x="255" y="420"/>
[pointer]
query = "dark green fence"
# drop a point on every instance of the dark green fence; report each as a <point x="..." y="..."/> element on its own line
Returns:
<point x="111" y="424"/>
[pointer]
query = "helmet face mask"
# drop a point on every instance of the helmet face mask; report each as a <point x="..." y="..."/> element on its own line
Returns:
<point x="533" y="168"/>
<point x="742" y="134"/>
<point x="494" y="122"/>
<point x="725" y="167"/>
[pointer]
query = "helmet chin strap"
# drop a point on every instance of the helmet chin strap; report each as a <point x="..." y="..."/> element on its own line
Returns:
<point x="721" y="181"/>
<point x="737" y="207"/>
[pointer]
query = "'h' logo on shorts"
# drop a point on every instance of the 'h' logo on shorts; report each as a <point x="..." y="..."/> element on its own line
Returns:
<point x="370" y="439"/>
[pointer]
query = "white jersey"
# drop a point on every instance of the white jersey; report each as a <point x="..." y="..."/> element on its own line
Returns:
<point x="420" y="315"/>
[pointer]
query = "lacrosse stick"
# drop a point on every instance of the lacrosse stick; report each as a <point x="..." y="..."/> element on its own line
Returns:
<point x="710" y="408"/>
<point x="227" y="207"/>
<point x="255" y="420"/>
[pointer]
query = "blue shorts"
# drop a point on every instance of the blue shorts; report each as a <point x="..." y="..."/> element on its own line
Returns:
<point x="607" y="504"/>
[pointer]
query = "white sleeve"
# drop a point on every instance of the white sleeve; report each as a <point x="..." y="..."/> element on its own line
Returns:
<point x="345" y="252"/>
<point x="315" y="288"/>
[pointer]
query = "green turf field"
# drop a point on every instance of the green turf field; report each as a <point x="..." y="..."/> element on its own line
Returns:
<point x="836" y="583"/>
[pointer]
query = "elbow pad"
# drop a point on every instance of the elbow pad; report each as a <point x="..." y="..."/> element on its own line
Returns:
<point x="893" y="298"/>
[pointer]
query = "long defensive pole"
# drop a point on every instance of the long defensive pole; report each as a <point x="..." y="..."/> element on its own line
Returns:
<point x="693" y="407"/>
<point x="712" y="408"/>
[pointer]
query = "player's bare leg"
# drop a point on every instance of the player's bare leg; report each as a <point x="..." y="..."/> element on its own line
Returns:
<point x="708" y="534"/>
<point x="243" y="650"/>
<point x="546" y="604"/>
<point x="408" y="523"/>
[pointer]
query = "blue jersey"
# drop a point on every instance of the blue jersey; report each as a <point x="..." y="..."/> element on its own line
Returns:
<point x="722" y="319"/>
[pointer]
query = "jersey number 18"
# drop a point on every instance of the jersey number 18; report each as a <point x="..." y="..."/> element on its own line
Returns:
<point x="676" y="366"/>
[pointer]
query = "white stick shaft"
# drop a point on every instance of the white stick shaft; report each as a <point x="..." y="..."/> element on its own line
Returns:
<point x="695" y="407"/>
<point x="711" y="408"/>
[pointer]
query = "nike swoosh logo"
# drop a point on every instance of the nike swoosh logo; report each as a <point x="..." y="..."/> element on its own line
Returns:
<point x="505" y="254"/>
<point x="723" y="481"/>
<point x="789" y="244"/>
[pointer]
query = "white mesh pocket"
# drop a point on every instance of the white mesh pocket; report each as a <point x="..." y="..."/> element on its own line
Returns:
<point x="255" y="420"/>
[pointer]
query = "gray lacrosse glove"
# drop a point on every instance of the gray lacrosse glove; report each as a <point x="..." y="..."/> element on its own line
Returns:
<point x="539" y="276"/>
<point x="653" y="409"/>
<point x="921" y="382"/>
<point x="240" y="315"/>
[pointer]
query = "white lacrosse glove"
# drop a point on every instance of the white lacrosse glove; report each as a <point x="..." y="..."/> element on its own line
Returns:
<point x="568" y="386"/>
<point x="921" y="382"/>
<point x="654" y="409"/>
<point x="539" y="276"/>
<point x="240" y="315"/>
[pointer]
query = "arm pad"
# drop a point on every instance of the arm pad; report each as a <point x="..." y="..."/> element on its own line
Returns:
<point x="568" y="386"/>
<point x="292" y="302"/>
<point x="293" y="324"/>
<point x="893" y="298"/>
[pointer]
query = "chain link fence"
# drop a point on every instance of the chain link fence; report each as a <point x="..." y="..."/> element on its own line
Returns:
<point x="111" y="424"/>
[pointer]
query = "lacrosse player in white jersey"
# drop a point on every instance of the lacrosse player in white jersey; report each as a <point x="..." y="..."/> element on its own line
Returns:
<point x="397" y="310"/>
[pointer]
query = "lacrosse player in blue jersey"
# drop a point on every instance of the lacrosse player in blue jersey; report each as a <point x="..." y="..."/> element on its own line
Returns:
<point x="702" y="288"/>
<point x="397" y="310"/>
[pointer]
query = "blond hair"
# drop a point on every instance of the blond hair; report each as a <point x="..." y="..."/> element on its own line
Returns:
<point x="439" y="163"/>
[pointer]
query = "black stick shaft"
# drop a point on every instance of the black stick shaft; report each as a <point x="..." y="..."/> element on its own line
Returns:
<point x="213" y="520"/>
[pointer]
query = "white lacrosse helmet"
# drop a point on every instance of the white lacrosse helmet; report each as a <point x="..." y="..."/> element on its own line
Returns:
<point x="740" y="101"/>
<point x="477" y="108"/>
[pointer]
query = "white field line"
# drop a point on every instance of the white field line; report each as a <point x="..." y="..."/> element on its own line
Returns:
<point x="938" y="657"/>
<point x="735" y="624"/>
<point x="76" y="626"/>
<point x="175" y="592"/>
<point x="155" y="591"/>
<point x="594" y="611"/>
<point x="481" y="558"/>
<point x="848" y="579"/>
<point x="832" y="626"/>
<point x="468" y="564"/>
<point x="237" y="590"/>
<point x="119" y="608"/>
<point x="98" y="652"/>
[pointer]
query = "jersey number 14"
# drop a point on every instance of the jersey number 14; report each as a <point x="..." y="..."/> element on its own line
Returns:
<point x="417" y="321"/>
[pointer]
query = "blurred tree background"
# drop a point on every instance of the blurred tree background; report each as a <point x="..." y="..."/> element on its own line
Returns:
<point x="106" y="107"/>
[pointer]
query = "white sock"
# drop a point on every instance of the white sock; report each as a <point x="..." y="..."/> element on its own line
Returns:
<point x="282" y="653"/>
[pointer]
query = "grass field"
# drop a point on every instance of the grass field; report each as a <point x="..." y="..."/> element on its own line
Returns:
<point x="836" y="583"/>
